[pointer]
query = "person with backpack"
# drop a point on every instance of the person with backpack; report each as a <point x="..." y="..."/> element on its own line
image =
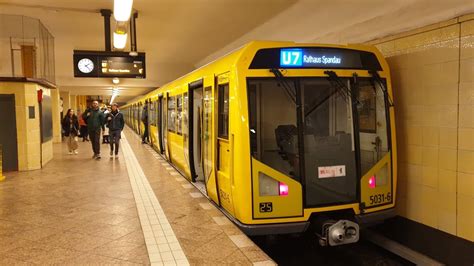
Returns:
<point x="94" y="118"/>
<point x="115" y="123"/>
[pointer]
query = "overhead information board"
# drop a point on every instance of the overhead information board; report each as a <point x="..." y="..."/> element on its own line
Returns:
<point x="98" y="64"/>
<point x="314" y="57"/>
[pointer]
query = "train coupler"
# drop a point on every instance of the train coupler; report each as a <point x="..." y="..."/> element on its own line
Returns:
<point x="335" y="233"/>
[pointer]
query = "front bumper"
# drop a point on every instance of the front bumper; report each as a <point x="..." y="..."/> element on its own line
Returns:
<point x="372" y="218"/>
<point x="272" y="229"/>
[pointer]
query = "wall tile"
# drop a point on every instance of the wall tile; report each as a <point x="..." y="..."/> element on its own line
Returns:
<point x="466" y="184"/>
<point x="448" y="137"/>
<point x="448" y="159"/>
<point x="430" y="136"/>
<point x="430" y="176"/>
<point x="466" y="139"/>
<point x="447" y="180"/>
<point x="429" y="210"/>
<point x="466" y="116"/>
<point x="466" y="161"/>
<point x="430" y="156"/>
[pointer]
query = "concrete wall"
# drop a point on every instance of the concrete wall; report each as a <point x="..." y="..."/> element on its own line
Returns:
<point x="433" y="78"/>
<point x="32" y="154"/>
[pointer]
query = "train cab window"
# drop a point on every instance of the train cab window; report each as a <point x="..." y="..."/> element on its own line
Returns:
<point x="223" y="103"/>
<point x="179" y="100"/>
<point x="373" y="126"/>
<point x="171" y="114"/>
<point x="367" y="109"/>
<point x="273" y="125"/>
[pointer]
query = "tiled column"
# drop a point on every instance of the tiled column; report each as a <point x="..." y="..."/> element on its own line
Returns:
<point x="56" y="116"/>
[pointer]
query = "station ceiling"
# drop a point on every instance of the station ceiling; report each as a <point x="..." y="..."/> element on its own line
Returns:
<point x="180" y="35"/>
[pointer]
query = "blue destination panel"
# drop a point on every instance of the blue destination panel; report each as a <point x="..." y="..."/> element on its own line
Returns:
<point x="291" y="57"/>
<point x="314" y="57"/>
<point x="311" y="58"/>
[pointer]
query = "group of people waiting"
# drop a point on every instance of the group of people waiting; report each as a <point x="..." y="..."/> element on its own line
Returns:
<point x="90" y="125"/>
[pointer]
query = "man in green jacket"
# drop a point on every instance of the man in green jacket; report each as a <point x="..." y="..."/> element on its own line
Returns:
<point x="95" y="119"/>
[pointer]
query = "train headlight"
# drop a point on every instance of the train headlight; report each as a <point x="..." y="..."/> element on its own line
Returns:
<point x="271" y="187"/>
<point x="283" y="189"/>
<point x="380" y="178"/>
<point x="372" y="182"/>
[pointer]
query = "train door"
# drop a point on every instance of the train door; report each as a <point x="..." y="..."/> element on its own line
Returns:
<point x="164" y="118"/>
<point x="224" y="144"/>
<point x="196" y="91"/>
<point x="160" y="124"/>
<point x="8" y="137"/>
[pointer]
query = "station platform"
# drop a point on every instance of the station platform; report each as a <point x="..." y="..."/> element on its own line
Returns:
<point x="132" y="210"/>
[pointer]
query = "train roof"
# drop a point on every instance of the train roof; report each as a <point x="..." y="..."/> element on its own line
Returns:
<point x="236" y="56"/>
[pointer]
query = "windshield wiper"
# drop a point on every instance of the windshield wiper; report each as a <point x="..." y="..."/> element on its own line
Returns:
<point x="376" y="78"/>
<point x="283" y="82"/>
<point x="338" y="86"/>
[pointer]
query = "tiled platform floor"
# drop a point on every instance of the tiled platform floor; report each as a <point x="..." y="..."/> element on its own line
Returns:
<point x="80" y="211"/>
<point x="74" y="211"/>
<point x="205" y="234"/>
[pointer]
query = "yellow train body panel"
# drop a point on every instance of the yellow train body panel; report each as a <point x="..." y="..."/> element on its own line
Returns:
<point x="189" y="112"/>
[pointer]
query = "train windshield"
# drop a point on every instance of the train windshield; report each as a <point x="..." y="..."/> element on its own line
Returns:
<point x="315" y="130"/>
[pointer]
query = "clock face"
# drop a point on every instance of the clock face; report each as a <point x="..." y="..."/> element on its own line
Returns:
<point x="85" y="65"/>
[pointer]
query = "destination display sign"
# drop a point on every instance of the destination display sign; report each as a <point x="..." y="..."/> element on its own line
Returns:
<point x="97" y="64"/>
<point x="315" y="57"/>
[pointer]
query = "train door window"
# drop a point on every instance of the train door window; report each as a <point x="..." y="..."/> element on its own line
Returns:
<point x="373" y="131"/>
<point x="328" y="143"/>
<point x="184" y="123"/>
<point x="273" y="124"/>
<point x="207" y="132"/>
<point x="155" y="112"/>
<point x="172" y="114"/>
<point x="179" y="110"/>
<point x="223" y="111"/>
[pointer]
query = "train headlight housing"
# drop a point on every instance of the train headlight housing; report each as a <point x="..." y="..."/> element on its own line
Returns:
<point x="380" y="178"/>
<point x="271" y="187"/>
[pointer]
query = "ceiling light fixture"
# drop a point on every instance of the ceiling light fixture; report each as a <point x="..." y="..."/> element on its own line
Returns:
<point x="122" y="9"/>
<point x="115" y="80"/>
<point x="115" y="93"/>
<point x="120" y="35"/>
<point x="120" y="39"/>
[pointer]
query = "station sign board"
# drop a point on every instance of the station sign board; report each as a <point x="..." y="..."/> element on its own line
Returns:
<point x="100" y="64"/>
<point x="314" y="57"/>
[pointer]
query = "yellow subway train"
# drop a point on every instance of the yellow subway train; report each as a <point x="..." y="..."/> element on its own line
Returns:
<point x="283" y="136"/>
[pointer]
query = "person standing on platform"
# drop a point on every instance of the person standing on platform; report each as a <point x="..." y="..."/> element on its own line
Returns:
<point x="115" y="123"/>
<point x="145" y="121"/>
<point x="94" y="118"/>
<point x="105" y="130"/>
<point x="83" y="129"/>
<point x="71" y="128"/>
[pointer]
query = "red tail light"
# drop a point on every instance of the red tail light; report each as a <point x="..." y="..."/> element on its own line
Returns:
<point x="283" y="189"/>
<point x="372" y="183"/>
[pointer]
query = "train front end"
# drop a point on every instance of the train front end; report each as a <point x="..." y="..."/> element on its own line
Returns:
<point x="322" y="140"/>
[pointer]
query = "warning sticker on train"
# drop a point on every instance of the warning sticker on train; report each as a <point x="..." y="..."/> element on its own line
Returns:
<point x="331" y="171"/>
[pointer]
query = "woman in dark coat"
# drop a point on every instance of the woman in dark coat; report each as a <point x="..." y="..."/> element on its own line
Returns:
<point x="71" y="127"/>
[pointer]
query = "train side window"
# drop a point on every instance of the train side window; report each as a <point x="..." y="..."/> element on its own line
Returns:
<point x="171" y="114"/>
<point x="223" y="121"/>
<point x="179" y="112"/>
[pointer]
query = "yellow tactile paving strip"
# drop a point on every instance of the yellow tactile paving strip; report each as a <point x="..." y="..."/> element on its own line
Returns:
<point x="74" y="211"/>
<point x="205" y="234"/>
